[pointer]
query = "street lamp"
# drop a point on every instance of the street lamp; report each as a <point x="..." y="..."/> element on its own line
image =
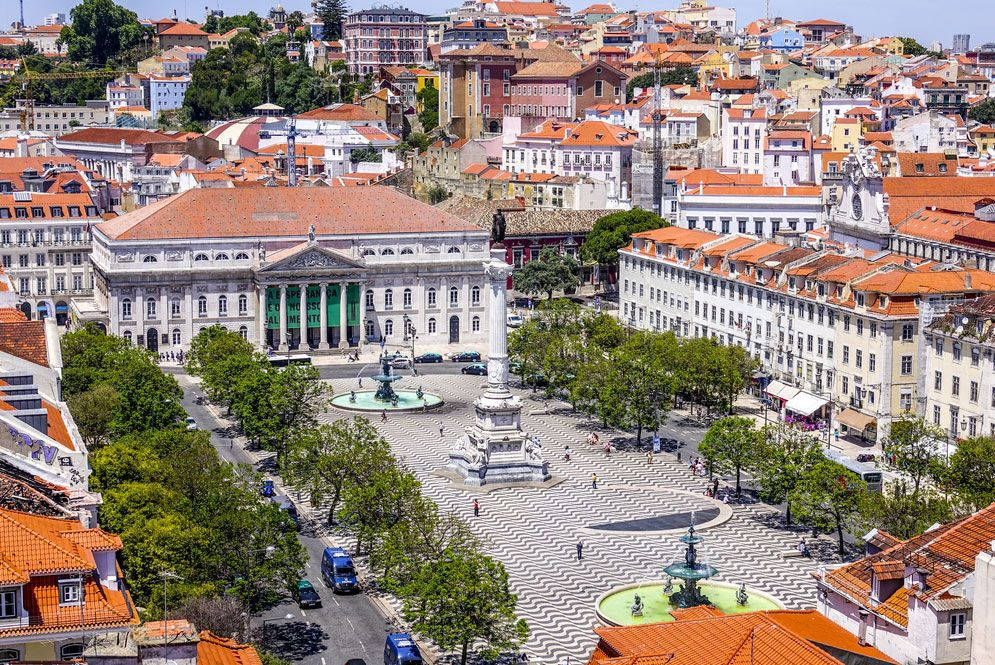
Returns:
<point x="410" y="330"/>
<point x="166" y="576"/>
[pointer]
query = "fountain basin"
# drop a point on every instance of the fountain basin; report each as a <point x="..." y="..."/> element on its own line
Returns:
<point x="613" y="606"/>
<point x="407" y="400"/>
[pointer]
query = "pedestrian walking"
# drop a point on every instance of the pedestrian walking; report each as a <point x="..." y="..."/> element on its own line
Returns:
<point x="441" y="431"/>
<point x="360" y="382"/>
<point x="715" y="486"/>
<point x="594" y="481"/>
<point x="580" y="550"/>
<point x="383" y="416"/>
<point x="476" y="508"/>
<point x="649" y="457"/>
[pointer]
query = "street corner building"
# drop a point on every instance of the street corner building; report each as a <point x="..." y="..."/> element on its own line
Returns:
<point x="363" y="263"/>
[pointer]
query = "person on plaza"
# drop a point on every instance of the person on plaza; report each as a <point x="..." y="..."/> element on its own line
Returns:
<point x="715" y="486"/>
<point x="476" y="508"/>
<point x="708" y="492"/>
<point x="803" y="549"/>
<point x="725" y="498"/>
<point x="580" y="550"/>
<point x="693" y="466"/>
<point x="594" y="481"/>
<point x="383" y="416"/>
<point x="566" y="453"/>
<point x="649" y="457"/>
<point x="442" y="431"/>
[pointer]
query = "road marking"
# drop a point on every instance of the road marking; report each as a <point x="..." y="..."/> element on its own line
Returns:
<point x="307" y="563"/>
<point x="303" y="615"/>
<point x="322" y="660"/>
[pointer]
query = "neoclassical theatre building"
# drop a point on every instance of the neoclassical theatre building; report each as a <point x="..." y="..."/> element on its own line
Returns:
<point x="360" y="263"/>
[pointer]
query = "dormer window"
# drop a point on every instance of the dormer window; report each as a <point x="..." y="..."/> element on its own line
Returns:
<point x="860" y="299"/>
<point x="71" y="591"/>
<point x="8" y="602"/>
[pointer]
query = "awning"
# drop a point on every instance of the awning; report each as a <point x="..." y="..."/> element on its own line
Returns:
<point x="781" y="390"/>
<point x="855" y="419"/>
<point x="805" y="404"/>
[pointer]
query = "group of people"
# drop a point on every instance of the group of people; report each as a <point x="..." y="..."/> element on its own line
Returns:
<point x="593" y="439"/>
<point x="697" y="467"/>
<point x="170" y="356"/>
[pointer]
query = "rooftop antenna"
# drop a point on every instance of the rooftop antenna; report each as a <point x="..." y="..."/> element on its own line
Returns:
<point x="767" y="5"/>
<point x="22" y="13"/>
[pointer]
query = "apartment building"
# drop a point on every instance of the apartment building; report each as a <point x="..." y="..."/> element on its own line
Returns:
<point x="384" y="36"/>
<point x="743" y="134"/>
<point x="842" y="329"/>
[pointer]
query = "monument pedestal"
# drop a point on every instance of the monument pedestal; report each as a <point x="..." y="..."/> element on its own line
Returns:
<point x="495" y="450"/>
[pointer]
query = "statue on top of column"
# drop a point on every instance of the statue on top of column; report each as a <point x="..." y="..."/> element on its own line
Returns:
<point x="310" y="233"/>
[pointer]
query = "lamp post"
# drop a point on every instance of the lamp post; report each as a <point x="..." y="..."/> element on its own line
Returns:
<point x="409" y="330"/>
<point x="268" y="552"/>
<point x="166" y="576"/>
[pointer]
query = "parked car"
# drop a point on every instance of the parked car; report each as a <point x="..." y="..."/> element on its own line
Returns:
<point x="355" y="661"/>
<point x="429" y="358"/>
<point x="337" y="570"/>
<point x="515" y="320"/>
<point x="480" y="369"/>
<point x="306" y="596"/>
<point x="267" y="489"/>
<point x="400" y="362"/>
<point x="400" y="649"/>
<point x="466" y="357"/>
<point x="191" y="424"/>
<point x="287" y="506"/>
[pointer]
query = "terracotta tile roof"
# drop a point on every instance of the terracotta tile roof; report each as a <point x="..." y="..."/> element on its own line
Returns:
<point x="755" y="638"/>
<point x="930" y="224"/>
<point x="340" y="112"/>
<point x="114" y="135"/>
<point x="11" y="315"/>
<point x="821" y="22"/>
<point x="183" y="28"/>
<point x="781" y="192"/>
<point x="214" y="650"/>
<point x="759" y="251"/>
<point x="919" y="164"/>
<point x="597" y="133"/>
<point x="25" y="339"/>
<point x="552" y="69"/>
<point x="899" y="281"/>
<point x="735" y="84"/>
<point x="906" y="195"/>
<point x="279" y="211"/>
<point x="730" y="245"/>
<point x="888" y="570"/>
<point x="673" y="235"/>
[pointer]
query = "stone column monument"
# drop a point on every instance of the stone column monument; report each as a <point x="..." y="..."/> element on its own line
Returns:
<point x="495" y="449"/>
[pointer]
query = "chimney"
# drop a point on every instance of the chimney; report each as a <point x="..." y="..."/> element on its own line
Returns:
<point x="984" y="210"/>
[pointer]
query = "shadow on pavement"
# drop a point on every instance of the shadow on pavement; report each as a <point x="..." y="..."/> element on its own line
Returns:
<point x="295" y="640"/>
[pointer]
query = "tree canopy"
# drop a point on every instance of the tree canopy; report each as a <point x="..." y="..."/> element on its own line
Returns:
<point x="428" y="98"/>
<point x="614" y="231"/>
<point x="730" y="444"/>
<point x="331" y="13"/>
<point x="101" y="31"/>
<point x="222" y="24"/>
<point x="550" y="272"/>
<point x="983" y="112"/>
<point x="674" y="76"/>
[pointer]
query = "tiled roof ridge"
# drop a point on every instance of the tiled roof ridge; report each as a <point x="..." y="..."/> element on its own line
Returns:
<point x="5" y="514"/>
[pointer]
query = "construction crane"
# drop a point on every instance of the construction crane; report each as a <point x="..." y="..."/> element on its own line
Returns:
<point x="657" y="141"/>
<point x="26" y="77"/>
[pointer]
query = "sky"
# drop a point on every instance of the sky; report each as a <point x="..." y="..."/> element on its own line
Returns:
<point x="926" y="20"/>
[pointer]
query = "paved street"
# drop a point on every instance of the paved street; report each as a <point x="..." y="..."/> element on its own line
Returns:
<point x="534" y="532"/>
<point x="345" y="626"/>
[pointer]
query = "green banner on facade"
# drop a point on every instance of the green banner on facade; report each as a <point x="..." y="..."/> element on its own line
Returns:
<point x="293" y="307"/>
<point x="352" y="305"/>
<point x="273" y="307"/>
<point x="333" y="306"/>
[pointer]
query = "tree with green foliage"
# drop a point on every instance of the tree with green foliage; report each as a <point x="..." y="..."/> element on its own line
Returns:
<point x="222" y="24"/>
<point x="970" y="472"/>
<point x="297" y="395"/>
<point x="332" y="13"/>
<point x="674" y="76"/>
<point x="93" y="411"/>
<point x="223" y="85"/>
<point x="367" y="154"/>
<point x="914" y="445"/>
<point x="983" y="112"/>
<point x="550" y="272"/>
<point x="220" y="357"/>
<point x="86" y="355"/>
<point x="374" y="507"/>
<point x="782" y="456"/>
<point x="613" y="232"/>
<point x="101" y="31"/>
<point x="295" y="20"/>
<point x="437" y="194"/>
<point x="428" y="99"/>
<point x="730" y="445"/>
<point x="323" y="462"/>
<point x="911" y="47"/>
<point x="148" y="399"/>
<point x="903" y="515"/>
<point x="464" y="598"/>
<point x="830" y="498"/>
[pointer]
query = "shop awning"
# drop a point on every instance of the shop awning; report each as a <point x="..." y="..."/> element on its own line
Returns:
<point x="805" y="404"/>
<point x="855" y="419"/>
<point x="781" y="390"/>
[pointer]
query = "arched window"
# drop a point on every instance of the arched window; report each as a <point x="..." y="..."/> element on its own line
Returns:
<point x="475" y="296"/>
<point x="221" y="257"/>
<point x="388" y="328"/>
<point x="406" y="297"/>
<point x="475" y="324"/>
<point x="127" y="337"/>
<point x="243" y="305"/>
<point x="126" y="309"/>
<point x="223" y="305"/>
<point x="9" y="655"/>
<point x="71" y="651"/>
<point x="368" y="252"/>
<point x="453" y="250"/>
<point x="150" y="259"/>
<point x="202" y="306"/>
<point x="241" y="256"/>
<point x="431" y="297"/>
<point x="244" y="332"/>
<point x="369" y="329"/>
<point x="431" y="325"/>
<point x="174" y="308"/>
<point x="176" y="336"/>
<point x="407" y="250"/>
<point x="369" y="299"/>
<point x="200" y="257"/>
<point x="453" y="296"/>
<point x="388" y="299"/>
<point x="387" y="252"/>
<point x="150" y="308"/>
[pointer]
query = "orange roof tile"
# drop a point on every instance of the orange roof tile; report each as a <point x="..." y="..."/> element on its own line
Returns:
<point x="598" y="133"/>
<point x="114" y="135"/>
<point x="340" y="112"/>
<point x="25" y="339"/>
<point x="214" y="650"/>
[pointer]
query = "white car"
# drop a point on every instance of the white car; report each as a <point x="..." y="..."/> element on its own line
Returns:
<point x="191" y="423"/>
<point x="400" y="362"/>
<point x="514" y="320"/>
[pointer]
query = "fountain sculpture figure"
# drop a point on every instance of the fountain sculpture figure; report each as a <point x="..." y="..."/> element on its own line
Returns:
<point x="690" y="571"/>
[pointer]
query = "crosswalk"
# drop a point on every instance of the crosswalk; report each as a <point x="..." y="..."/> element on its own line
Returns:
<point x="534" y="532"/>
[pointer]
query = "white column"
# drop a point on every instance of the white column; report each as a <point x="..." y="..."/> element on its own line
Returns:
<point x="261" y="314"/>
<point x="303" y="320"/>
<point x="323" y="344"/>
<point x="283" y="317"/>
<point x="343" y="337"/>
<point x="497" y="271"/>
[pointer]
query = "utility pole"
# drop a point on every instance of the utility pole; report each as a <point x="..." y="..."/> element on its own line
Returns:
<point x="657" y="143"/>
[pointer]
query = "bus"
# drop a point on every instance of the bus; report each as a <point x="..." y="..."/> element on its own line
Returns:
<point x="283" y="361"/>
<point x="869" y="473"/>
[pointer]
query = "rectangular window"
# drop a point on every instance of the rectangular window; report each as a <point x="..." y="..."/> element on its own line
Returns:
<point x="907" y="331"/>
<point x="973" y="395"/>
<point x="906" y="365"/>
<point x="846" y="354"/>
<point x="70" y="592"/>
<point x="938" y="383"/>
<point x="936" y="415"/>
<point x="957" y="622"/>
<point x="8" y="603"/>
<point x="955" y="385"/>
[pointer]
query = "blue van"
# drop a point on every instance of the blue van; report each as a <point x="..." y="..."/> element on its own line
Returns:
<point x="400" y="649"/>
<point x="337" y="570"/>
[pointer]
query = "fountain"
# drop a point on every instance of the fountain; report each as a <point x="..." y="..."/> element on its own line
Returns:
<point x="385" y="398"/>
<point x="690" y="572"/>
<point x="635" y="604"/>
